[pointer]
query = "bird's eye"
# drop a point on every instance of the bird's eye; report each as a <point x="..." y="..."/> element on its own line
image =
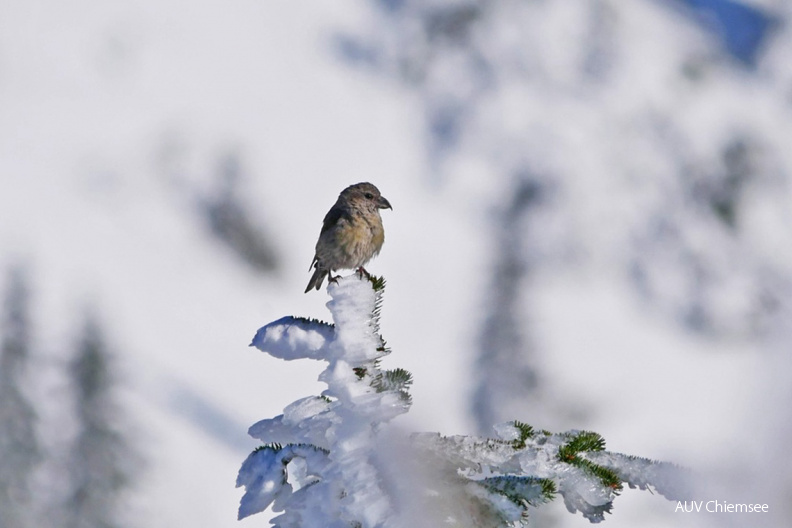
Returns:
<point x="369" y="196"/>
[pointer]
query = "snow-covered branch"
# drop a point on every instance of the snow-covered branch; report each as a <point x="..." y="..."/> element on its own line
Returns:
<point x="328" y="462"/>
<point x="324" y="476"/>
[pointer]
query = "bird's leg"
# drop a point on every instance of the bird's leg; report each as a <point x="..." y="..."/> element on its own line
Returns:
<point x="330" y="278"/>
<point x="363" y="273"/>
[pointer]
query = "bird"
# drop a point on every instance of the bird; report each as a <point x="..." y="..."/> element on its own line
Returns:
<point x="351" y="235"/>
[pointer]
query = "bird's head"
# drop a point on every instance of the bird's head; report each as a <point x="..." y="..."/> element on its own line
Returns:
<point x="365" y="195"/>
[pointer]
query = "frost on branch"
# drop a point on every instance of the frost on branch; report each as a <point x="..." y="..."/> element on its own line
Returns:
<point x="317" y="465"/>
<point x="523" y="468"/>
<point x="328" y="461"/>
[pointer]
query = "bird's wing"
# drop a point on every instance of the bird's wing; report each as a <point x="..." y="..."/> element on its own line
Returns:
<point x="333" y="216"/>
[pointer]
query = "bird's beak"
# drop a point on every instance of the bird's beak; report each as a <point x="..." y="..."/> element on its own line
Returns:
<point x="382" y="203"/>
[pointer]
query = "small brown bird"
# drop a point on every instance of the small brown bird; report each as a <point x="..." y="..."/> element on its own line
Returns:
<point x="352" y="233"/>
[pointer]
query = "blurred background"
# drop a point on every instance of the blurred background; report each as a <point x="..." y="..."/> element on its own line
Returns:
<point x="591" y="229"/>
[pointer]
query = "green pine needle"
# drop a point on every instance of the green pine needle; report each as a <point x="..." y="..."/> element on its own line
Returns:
<point x="312" y="321"/>
<point x="588" y="441"/>
<point x="521" y="491"/>
<point x="607" y="476"/>
<point x="273" y="447"/>
<point x="378" y="283"/>
<point x="582" y="441"/>
<point x="383" y="348"/>
<point x="396" y="379"/>
<point x="526" y="432"/>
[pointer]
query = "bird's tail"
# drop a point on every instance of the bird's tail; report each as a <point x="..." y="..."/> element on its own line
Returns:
<point x="316" y="279"/>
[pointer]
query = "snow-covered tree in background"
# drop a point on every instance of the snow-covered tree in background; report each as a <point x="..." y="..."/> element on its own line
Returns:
<point x="667" y="159"/>
<point x="230" y="220"/>
<point x="508" y="381"/>
<point x="100" y="460"/>
<point x="334" y="460"/>
<point x="19" y="446"/>
<point x="221" y="205"/>
<point x="75" y="484"/>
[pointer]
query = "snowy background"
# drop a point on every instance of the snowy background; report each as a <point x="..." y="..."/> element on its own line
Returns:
<point x="591" y="223"/>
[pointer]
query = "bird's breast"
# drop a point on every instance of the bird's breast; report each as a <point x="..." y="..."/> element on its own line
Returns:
<point x="359" y="241"/>
<point x="377" y="236"/>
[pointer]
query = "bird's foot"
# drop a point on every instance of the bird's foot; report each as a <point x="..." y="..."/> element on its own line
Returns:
<point x="332" y="279"/>
<point x="363" y="273"/>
